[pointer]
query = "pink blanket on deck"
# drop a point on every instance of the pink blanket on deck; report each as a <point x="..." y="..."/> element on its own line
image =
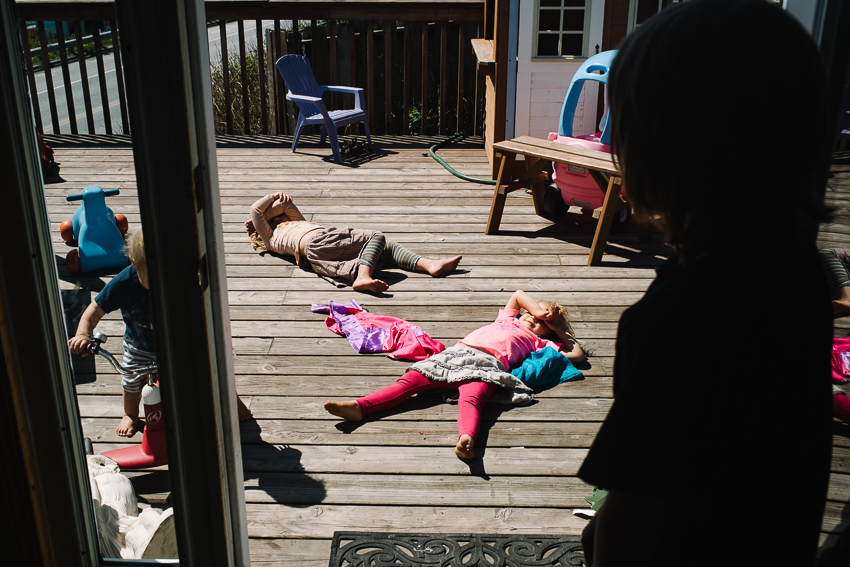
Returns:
<point x="369" y="332"/>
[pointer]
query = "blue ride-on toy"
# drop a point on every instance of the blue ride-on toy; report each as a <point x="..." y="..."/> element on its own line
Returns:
<point x="99" y="233"/>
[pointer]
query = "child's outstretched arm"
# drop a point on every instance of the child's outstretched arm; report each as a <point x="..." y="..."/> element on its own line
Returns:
<point x="79" y="343"/>
<point x="569" y="345"/>
<point x="521" y="300"/>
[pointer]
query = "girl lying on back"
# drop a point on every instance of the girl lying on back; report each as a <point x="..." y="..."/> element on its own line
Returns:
<point x="476" y="366"/>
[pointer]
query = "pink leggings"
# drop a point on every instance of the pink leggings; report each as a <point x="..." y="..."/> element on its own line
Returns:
<point x="473" y="393"/>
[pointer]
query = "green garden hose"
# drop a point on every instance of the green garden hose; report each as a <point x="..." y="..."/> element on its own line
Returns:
<point x="433" y="152"/>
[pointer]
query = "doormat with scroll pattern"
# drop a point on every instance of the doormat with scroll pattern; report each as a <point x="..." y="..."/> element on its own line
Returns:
<point x="381" y="549"/>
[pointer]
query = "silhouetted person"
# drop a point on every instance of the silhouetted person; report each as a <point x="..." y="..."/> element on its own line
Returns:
<point x="716" y="450"/>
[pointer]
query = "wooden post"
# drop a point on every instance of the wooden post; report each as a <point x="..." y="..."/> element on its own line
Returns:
<point x="101" y="75"/>
<point x="444" y="48"/>
<point x="370" y="68"/>
<point x="119" y="75"/>
<point x="461" y="52"/>
<point x="389" y="38"/>
<point x="352" y="59"/>
<point x="424" y="116"/>
<point x="84" y="76"/>
<point x="243" y="75"/>
<point x="225" y="77"/>
<point x="25" y="40"/>
<point x="48" y="77"/>
<point x="261" y="71"/>
<point x="271" y="74"/>
<point x="405" y="104"/>
<point x="332" y="44"/>
<point x="66" y="77"/>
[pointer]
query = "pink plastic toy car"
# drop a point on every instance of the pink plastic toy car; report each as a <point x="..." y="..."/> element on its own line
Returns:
<point x="576" y="185"/>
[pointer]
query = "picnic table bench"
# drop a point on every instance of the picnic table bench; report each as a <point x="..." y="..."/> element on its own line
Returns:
<point x="538" y="153"/>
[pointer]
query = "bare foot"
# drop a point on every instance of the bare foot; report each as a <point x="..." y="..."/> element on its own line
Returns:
<point x="249" y="227"/>
<point x="242" y="410"/>
<point x="440" y="267"/>
<point x="346" y="410"/>
<point x="127" y="427"/>
<point x="369" y="284"/>
<point x="464" y="447"/>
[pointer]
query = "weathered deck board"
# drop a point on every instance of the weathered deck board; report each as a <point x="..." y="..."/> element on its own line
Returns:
<point x="308" y="474"/>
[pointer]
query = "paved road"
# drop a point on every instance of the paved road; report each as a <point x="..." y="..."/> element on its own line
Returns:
<point x="79" y="112"/>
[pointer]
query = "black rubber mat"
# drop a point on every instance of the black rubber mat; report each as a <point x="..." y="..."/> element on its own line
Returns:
<point x="377" y="549"/>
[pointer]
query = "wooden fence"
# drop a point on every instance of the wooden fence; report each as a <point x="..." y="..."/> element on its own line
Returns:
<point x="78" y="48"/>
<point x="419" y="76"/>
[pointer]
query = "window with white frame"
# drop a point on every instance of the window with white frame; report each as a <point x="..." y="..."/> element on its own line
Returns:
<point x="561" y="28"/>
<point x="640" y="10"/>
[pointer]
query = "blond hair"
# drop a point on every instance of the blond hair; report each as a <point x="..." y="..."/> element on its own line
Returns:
<point x="257" y="242"/>
<point x="561" y="320"/>
<point x="135" y="247"/>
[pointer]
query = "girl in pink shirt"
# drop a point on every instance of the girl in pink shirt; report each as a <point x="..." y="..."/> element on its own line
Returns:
<point x="477" y="365"/>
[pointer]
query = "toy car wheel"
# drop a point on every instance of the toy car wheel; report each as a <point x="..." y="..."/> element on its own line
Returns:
<point x="122" y="223"/>
<point x="621" y="219"/>
<point x="88" y="446"/>
<point x="72" y="260"/>
<point x="66" y="230"/>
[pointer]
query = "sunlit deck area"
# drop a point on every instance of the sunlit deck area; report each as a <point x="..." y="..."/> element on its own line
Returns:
<point x="307" y="474"/>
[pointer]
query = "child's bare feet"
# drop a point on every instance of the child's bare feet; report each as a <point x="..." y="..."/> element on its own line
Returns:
<point x="127" y="427"/>
<point x="347" y="410"/>
<point x="249" y="227"/>
<point x="464" y="447"/>
<point x="243" y="411"/>
<point x="369" y="284"/>
<point x="439" y="267"/>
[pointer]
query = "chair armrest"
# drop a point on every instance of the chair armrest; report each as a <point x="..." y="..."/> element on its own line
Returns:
<point x="359" y="103"/>
<point x="315" y="101"/>
<point x="352" y="90"/>
<point x="303" y="98"/>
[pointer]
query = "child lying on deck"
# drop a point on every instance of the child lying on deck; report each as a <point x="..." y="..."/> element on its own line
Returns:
<point x="347" y="255"/>
<point x="477" y="365"/>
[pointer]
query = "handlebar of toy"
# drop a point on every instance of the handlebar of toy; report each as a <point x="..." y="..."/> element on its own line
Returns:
<point x="95" y="348"/>
<point x="79" y="196"/>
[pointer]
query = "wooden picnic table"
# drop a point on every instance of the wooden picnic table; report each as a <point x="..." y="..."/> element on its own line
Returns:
<point x="538" y="153"/>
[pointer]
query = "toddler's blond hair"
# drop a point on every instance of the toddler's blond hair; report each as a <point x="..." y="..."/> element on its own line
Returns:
<point x="135" y="248"/>
<point x="561" y="321"/>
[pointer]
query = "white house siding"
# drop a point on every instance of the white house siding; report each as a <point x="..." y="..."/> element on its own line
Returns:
<point x="542" y="83"/>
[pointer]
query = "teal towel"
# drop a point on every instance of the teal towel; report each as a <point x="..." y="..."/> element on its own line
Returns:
<point x="545" y="369"/>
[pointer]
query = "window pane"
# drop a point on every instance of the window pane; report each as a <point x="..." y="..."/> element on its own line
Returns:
<point x="571" y="44"/>
<point x="573" y="20"/>
<point x="574" y="3"/>
<point x="547" y="44"/>
<point x="645" y="9"/>
<point x="556" y="3"/>
<point x="549" y="20"/>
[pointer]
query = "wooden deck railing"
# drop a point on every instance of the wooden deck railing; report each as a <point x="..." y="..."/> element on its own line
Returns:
<point x="416" y="64"/>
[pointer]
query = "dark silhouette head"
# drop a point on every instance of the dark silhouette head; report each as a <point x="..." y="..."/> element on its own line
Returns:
<point x="719" y="123"/>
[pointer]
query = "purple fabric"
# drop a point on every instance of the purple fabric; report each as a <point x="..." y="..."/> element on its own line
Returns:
<point x="845" y="358"/>
<point x="362" y="340"/>
<point x="320" y="308"/>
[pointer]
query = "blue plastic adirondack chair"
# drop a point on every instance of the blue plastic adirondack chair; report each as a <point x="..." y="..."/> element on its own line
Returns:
<point x="307" y="94"/>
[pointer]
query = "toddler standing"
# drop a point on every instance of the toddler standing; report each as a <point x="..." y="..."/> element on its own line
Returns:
<point x="128" y="291"/>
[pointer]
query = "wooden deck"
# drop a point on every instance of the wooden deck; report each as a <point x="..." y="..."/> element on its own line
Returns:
<point x="306" y="473"/>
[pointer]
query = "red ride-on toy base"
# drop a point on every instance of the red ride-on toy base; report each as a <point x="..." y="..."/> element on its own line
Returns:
<point x="152" y="451"/>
